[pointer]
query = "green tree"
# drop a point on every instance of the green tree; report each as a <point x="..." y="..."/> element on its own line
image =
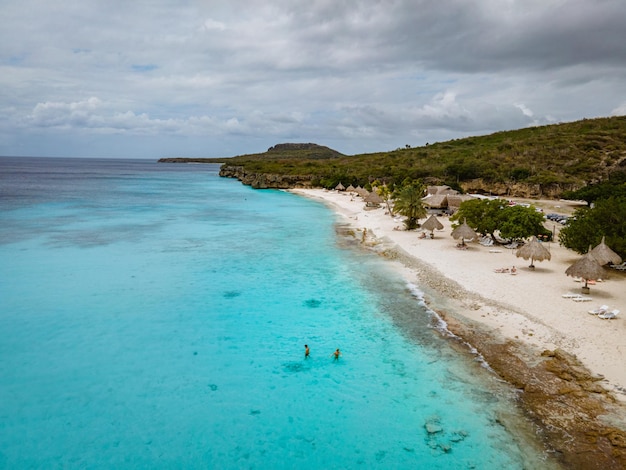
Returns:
<point x="521" y="222"/>
<point x="489" y="216"/>
<point x="483" y="215"/>
<point x="408" y="202"/>
<point x="385" y="193"/>
<point x="588" y="225"/>
<point x="614" y="187"/>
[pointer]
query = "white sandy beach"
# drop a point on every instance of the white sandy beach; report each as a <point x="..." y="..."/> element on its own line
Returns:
<point x="527" y="306"/>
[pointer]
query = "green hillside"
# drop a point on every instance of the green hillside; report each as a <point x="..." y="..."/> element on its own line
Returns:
<point x="562" y="156"/>
<point x="569" y="154"/>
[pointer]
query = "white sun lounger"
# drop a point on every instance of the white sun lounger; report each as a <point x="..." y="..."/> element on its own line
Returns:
<point x="486" y="241"/>
<point x="619" y="267"/>
<point x="609" y="315"/>
<point x="576" y="297"/>
<point x="602" y="309"/>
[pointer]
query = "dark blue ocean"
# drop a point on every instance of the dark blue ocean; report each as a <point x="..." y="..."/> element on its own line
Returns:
<point x="155" y="315"/>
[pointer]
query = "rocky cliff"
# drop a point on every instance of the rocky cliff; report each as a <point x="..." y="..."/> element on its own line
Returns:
<point x="266" y="180"/>
<point x="517" y="189"/>
<point x="511" y="189"/>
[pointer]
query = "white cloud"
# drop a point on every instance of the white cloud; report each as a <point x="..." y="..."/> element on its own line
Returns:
<point x="364" y="75"/>
<point x="65" y="115"/>
<point x="522" y="107"/>
<point x="620" y="110"/>
<point x="100" y="117"/>
<point x="213" y="25"/>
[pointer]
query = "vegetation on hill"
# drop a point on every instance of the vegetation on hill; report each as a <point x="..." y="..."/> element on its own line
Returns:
<point x="604" y="217"/>
<point x="278" y="154"/>
<point x="570" y="155"/>
<point x="613" y="186"/>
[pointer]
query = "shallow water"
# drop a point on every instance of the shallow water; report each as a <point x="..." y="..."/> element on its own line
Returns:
<point x="155" y="315"/>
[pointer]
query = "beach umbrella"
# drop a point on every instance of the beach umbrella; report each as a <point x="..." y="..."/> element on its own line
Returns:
<point x="340" y="187"/>
<point x="533" y="250"/>
<point x="361" y="191"/>
<point x="605" y="255"/>
<point x="587" y="268"/>
<point x="463" y="231"/>
<point x="432" y="223"/>
<point x="350" y="189"/>
<point x="373" y="199"/>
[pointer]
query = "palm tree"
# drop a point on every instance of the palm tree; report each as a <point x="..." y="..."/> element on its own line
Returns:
<point x="385" y="193"/>
<point x="408" y="202"/>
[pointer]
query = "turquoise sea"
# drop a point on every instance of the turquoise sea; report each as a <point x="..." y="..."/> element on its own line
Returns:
<point x="155" y="316"/>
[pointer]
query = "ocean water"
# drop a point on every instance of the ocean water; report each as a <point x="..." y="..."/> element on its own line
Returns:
<point x="155" y="315"/>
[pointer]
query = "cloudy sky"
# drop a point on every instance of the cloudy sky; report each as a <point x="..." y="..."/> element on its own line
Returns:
<point x="153" y="78"/>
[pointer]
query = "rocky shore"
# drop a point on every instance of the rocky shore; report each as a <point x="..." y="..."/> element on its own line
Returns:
<point x="573" y="412"/>
<point x="265" y="180"/>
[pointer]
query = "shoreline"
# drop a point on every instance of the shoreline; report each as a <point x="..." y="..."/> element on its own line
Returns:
<point x="568" y="364"/>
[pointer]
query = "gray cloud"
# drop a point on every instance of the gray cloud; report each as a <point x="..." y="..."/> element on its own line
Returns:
<point x="213" y="78"/>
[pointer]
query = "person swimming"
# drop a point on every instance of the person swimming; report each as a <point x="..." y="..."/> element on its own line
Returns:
<point x="336" y="354"/>
<point x="306" y="351"/>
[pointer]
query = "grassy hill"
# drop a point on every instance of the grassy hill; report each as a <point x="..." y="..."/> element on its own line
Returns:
<point x="276" y="153"/>
<point x="560" y="156"/>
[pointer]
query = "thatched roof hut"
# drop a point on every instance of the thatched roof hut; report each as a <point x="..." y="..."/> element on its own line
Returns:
<point x="361" y="191"/>
<point x="534" y="251"/>
<point x="455" y="200"/>
<point x="373" y="199"/>
<point x="436" y="201"/>
<point x="586" y="268"/>
<point x="432" y="223"/>
<point x="431" y="190"/>
<point x="464" y="232"/>
<point x="605" y="255"/>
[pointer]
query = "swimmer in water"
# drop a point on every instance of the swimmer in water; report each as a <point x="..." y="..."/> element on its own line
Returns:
<point x="306" y="351"/>
<point x="336" y="354"/>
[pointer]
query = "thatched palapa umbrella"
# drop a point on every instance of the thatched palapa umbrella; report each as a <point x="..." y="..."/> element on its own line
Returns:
<point x="373" y="199"/>
<point x="431" y="224"/>
<point x="361" y="191"/>
<point x="533" y="250"/>
<point x="340" y="187"/>
<point x="587" y="268"/>
<point x="605" y="255"/>
<point x="463" y="231"/>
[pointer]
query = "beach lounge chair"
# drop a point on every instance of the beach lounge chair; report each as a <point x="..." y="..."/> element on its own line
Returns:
<point x="570" y="295"/>
<point x="609" y="315"/>
<point x="486" y="241"/>
<point x="619" y="267"/>
<point x="602" y="309"/>
<point x="582" y="298"/>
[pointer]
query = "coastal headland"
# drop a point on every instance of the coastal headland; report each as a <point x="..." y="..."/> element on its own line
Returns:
<point x="567" y="364"/>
